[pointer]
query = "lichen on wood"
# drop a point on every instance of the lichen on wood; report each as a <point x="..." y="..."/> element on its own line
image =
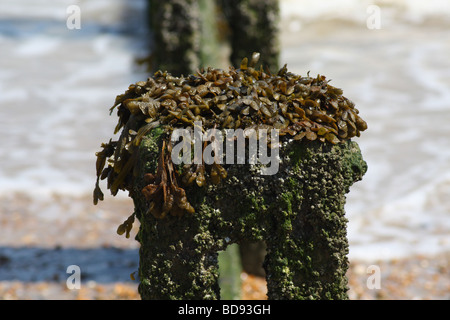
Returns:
<point x="299" y="213"/>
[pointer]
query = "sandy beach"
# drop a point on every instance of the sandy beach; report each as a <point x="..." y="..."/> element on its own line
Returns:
<point x="416" y="278"/>
<point x="34" y="261"/>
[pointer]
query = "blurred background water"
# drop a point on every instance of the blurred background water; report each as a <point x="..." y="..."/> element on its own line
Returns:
<point x="57" y="85"/>
<point x="398" y="75"/>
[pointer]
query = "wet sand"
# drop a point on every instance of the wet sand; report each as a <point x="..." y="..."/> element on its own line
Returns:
<point x="40" y="238"/>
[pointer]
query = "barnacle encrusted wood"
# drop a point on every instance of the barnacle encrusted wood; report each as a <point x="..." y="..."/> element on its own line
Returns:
<point x="300" y="107"/>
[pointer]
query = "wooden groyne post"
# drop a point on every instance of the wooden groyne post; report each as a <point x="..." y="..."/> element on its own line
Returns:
<point x="190" y="210"/>
<point x="299" y="213"/>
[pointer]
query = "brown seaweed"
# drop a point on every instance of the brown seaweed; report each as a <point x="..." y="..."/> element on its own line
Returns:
<point x="303" y="108"/>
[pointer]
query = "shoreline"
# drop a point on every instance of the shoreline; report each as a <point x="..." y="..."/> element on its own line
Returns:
<point x="41" y="237"/>
<point x="414" y="278"/>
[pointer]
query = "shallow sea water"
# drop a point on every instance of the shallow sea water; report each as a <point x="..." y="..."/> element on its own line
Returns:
<point x="399" y="78"/>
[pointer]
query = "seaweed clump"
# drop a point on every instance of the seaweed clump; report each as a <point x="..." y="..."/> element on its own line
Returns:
<point x="301" y="108"/>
